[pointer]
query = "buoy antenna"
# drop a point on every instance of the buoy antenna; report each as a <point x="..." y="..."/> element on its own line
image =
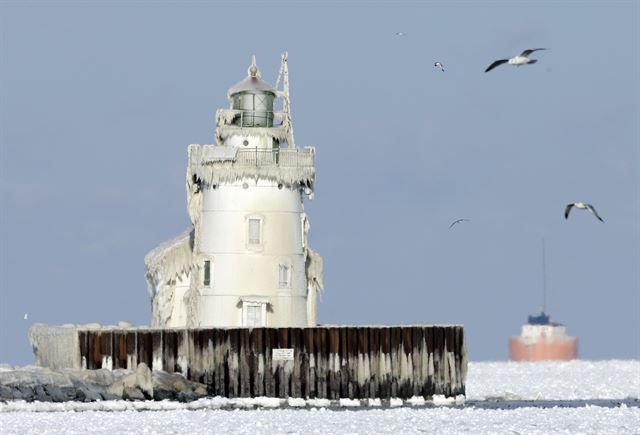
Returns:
<point x="544" y="278"/>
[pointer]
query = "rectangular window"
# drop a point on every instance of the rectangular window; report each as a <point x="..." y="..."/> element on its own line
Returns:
<point x="254" y="231"/>
<point x="207" y="273"/>
<point x="284" y="276"/>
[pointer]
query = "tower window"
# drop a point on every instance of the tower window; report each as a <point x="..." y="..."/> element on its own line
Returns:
<point x="207" y="273"/>
<point x="254" y="231"/>
<point x="284" y="280"/>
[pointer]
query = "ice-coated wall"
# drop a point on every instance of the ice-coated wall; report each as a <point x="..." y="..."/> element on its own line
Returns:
<point x="169" y="267"/>
<point x="56" y="347"/>
<point x="241" y="267"/>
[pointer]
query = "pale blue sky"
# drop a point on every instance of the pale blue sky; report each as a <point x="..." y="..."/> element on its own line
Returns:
<point x="99" y="101"/>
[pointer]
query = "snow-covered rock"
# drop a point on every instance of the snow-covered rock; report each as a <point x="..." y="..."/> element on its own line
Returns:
<point x="46" y="385"/>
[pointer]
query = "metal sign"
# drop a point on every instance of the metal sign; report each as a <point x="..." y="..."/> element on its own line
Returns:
<point x="282" y="354"/>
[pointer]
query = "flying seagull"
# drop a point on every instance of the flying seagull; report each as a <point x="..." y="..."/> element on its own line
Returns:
<point x="457" y="222"/>
<point x="439" y="65"/>
<point x="521" y="59"/>
<point x="26" y="316"/>
<point x="400" y="33"/>
<point x="582" y="206"/>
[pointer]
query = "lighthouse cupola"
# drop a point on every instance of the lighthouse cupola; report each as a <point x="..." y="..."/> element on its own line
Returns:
<point x="252" y="98"/>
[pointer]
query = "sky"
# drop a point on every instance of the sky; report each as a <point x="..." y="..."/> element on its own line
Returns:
<point x="99" y="101"/>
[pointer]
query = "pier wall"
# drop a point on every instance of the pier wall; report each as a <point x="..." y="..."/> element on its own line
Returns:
<point x="321" y="362"/>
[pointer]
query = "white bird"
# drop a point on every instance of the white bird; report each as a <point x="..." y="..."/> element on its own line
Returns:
<point x="582" y="206"/>
<point x="26" y="316"/>
<point x="400" y="33"/>
<point x="439" y="65"/>
<point x="521" y="59"/>
<point x="458" y="221"/>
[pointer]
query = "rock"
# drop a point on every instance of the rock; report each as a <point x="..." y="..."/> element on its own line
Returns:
<point x="144" y="379"/>
<point x="200" y="390"/>
<point x="102" y="377"/>
<point x="24" y="392"/>
<point x="163" y="394"/>
<point x="116" y="389"/>
<point x="109" y="396"/>
<point x="136" y="385"/>
<point x="59" y="394"/>
<point x="162" y="386"/>
<point x="174" y="386"/>
<point x="88" y="391"/>
<point x="41" y="384"/>
<point x="6" y="393"/>
<point x="187" y="396"/>
<point x="32" y="376"/>
<point x="133" y="393"/>
<point x="40" y="394"/>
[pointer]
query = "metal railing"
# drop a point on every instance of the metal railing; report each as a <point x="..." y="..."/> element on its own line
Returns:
<point x="274" y="157"/>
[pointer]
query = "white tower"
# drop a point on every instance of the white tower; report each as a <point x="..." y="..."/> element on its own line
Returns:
<point x="246" y="261"/>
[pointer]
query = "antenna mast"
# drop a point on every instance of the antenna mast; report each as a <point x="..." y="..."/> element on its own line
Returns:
<point x="286" y="102"/>
<point x="544" y="279"/>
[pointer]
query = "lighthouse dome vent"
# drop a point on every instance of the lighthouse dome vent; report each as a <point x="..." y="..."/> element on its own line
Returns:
<point x="252" y="98"/>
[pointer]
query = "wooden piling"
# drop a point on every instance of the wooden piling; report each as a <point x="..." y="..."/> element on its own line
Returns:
<point x="322" y="362"/>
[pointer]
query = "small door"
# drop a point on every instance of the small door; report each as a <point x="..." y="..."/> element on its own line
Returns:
<point x="253" y="314"/>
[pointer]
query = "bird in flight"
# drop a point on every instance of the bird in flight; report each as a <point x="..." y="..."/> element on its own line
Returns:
<point x="582" y="206"/>
<point x="457" y="221"/>
<point x="439" y="65"/>
<point x="400" y="33"/>
<point x="26" y="316"/>
<point x="521" y="59"/>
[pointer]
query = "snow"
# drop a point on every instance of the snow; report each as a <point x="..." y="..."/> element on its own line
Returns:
<point x="392" y="421"/>
<point x="487" y="381"/>
<point x="553" y="380"/>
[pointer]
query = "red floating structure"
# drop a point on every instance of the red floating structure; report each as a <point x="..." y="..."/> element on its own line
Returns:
<point x="542" y="339"/>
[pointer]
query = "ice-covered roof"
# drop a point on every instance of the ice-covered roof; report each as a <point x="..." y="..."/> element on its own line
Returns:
<point x="252" y="83"/>
<point x="171" y="258"/>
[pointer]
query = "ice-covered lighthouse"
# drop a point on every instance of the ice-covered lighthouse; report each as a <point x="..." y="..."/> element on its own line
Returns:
<point x="234" y="296"/>
<point x="246" y="260"/>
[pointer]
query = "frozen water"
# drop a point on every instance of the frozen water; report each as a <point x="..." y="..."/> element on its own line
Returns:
<point x="554" y="380"/>
<point x="403" y="420"/>
<point x="607" y="381"/>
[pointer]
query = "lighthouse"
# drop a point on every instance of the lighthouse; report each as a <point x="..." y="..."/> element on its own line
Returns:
<point x="245" y="261"/>
<point x="233" y="297"/>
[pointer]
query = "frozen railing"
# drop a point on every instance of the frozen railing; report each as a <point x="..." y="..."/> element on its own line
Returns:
<point x="278" y="157"/>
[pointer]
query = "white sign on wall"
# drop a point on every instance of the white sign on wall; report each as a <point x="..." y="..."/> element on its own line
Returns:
<point x="282" y="354"/>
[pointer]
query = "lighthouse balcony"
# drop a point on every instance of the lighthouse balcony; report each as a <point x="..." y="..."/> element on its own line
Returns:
<point x="215" y="164"/>
<point x="211" y="155"/>
<point x="275" y="157"/>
